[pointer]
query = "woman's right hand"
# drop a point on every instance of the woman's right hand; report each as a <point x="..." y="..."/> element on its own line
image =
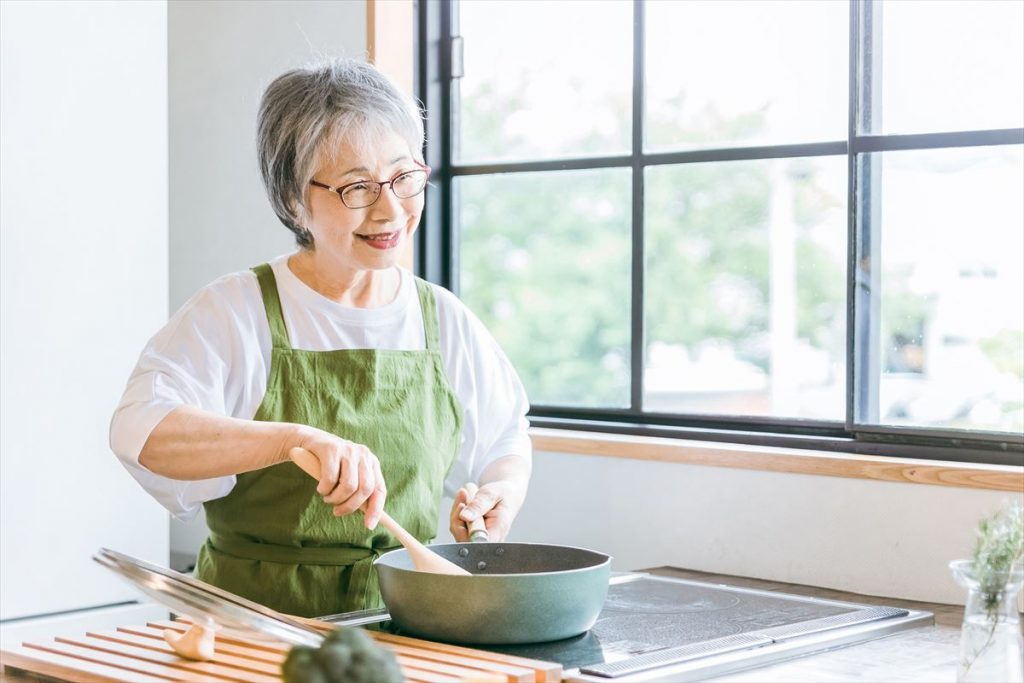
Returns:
<point x="350" y="475"/>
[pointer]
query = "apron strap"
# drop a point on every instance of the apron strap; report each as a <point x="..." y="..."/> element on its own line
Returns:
<point x="429" y="308"/>
<point x="272" y="304"/>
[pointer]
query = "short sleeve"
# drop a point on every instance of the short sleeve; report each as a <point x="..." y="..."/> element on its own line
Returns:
<point x="198" y="359"/>
<point x="492" y="397"/>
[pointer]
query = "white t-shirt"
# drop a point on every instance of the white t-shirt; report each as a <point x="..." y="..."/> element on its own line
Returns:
<point x="214" y="354"/>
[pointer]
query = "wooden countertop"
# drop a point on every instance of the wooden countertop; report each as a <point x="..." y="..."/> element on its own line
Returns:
<point x="920" y="654"/>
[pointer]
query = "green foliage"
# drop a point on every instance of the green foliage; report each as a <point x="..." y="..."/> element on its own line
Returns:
<point x="347" y="655"/>
<point x="1004" y="350"/>
<point x="545" y="264"/>
<point x="821" y="292"/>
<point x="707" y="255"/>
<point x="545" y="258"/>
<point x="998" y="549"/>
<point x="708" y="125"/>
<point x="480" y="132"/>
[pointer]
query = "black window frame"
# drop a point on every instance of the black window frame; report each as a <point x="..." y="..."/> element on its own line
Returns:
<point x="438" y="54"/>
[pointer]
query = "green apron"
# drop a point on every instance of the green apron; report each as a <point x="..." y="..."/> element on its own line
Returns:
<point x="273" y="539"/>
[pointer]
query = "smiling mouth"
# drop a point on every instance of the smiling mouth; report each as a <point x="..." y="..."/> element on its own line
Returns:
<point x="381" y="240"/>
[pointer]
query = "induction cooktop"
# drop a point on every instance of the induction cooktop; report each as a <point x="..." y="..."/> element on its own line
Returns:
<point x="658" y="628"/>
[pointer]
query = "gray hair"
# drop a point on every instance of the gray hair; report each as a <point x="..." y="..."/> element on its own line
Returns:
<point x="306" y="112"/>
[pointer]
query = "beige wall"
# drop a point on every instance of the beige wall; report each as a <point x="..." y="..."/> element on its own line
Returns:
<point x="390" y="46"/>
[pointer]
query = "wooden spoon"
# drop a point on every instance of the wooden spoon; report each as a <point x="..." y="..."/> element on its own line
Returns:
<point x="423" y="559"/>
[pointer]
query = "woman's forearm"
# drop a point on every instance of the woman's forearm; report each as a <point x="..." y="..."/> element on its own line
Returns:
<point x="195" y="444"/>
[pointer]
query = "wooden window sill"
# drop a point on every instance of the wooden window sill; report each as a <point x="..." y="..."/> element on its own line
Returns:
<point x="769" y="459"/>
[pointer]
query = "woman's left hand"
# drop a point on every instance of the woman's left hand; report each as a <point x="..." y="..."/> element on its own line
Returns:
<point x="498" y="500"/>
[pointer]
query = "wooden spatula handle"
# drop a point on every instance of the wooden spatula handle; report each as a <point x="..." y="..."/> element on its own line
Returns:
<point x="306" y="461"/>
<point x="423" y="559"/>
<point x="477" y="528"/>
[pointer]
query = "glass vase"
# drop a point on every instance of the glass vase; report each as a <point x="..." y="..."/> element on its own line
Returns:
<point x="991" y="647"/>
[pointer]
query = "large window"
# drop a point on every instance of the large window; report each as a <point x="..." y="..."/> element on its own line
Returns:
<point x="769" y="221"/>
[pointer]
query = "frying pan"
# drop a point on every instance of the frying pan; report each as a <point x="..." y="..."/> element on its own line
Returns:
<point x="516" y="593"/>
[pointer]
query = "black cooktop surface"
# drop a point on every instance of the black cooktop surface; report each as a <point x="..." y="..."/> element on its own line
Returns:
<point x="644" y="614"/>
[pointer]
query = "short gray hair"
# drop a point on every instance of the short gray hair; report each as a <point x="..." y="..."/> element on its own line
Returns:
<point x="306" y="112"/>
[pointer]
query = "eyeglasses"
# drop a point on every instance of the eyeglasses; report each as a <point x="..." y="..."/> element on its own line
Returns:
<point x="364" y="193"/>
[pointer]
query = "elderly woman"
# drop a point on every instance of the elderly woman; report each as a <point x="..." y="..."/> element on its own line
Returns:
<point x="393" y="385"/>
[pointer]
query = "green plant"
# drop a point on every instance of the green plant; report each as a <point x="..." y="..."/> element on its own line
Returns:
<point x="347" y="655"/>
<point x="1000" y="546"/>
<point x="998" y="550"/>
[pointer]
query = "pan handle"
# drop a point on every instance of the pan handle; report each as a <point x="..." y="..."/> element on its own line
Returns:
<point x="477" y="528"/>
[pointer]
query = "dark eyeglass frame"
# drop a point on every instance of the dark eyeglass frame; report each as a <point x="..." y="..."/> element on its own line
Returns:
<point x="340" y="189"/>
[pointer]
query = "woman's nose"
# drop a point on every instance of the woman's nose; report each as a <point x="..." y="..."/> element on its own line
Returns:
<point x="388" y="205"/>
<point x="387" y="208"/>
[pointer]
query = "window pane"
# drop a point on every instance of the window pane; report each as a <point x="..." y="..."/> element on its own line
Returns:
<point x="952" y="282"/>
<point x="746" y="288"/>
<point x="544" y="79"/>
<point x="950" y="66"/>
<point x="545" y="263"/>
<point x="723" y="74"/>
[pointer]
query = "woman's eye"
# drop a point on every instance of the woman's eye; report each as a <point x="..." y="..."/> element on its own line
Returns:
<point x="407" y="178"/>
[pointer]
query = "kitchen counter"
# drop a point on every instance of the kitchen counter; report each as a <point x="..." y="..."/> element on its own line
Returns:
<point x="921" y="654"/>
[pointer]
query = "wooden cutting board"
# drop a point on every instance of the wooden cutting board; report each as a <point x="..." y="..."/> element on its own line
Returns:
<point x="139" y="654"/>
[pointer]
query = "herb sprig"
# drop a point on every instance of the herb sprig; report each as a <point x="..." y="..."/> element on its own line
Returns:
<point x="999" y="547"/>
<point x="998" y="550"/>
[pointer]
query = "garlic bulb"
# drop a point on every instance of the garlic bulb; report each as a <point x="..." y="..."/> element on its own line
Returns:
<point x="196" y="643"/>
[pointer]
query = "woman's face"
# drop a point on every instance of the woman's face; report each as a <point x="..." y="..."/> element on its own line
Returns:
<point x="373" y="237"/>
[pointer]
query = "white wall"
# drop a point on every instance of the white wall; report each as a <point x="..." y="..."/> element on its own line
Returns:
<point x="221" y="57"/>
<point x="878" y="538"/>
<point x="83" y="248"/>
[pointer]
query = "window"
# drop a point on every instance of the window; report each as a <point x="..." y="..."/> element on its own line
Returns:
<point x="793" y="223"/>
